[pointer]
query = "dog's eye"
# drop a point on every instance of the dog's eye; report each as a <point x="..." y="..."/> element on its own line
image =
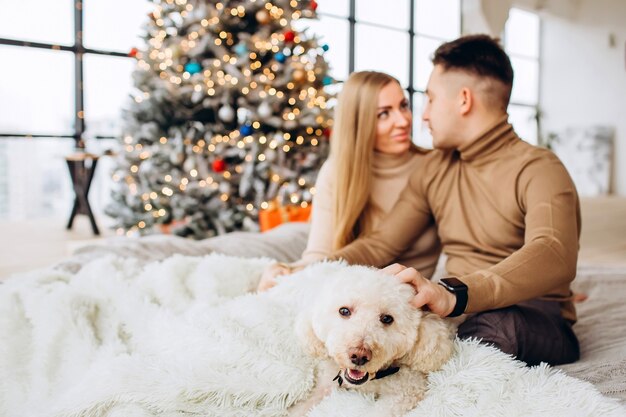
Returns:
<point x="386" y="319"/>
<point x="345" y="311"/>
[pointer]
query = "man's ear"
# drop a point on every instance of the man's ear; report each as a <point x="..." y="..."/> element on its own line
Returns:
<point x="466" y="100"/>
<point x="434" y="345"/>
<point x="305" y="332"/>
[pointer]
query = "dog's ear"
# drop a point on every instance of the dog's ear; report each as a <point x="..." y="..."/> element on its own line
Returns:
<point x="309" y="340"/>
<point x="434" y="345"/>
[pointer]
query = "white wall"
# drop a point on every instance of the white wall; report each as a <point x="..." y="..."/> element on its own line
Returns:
<point x="583" y="74"/>
<point x="583" y="64"/>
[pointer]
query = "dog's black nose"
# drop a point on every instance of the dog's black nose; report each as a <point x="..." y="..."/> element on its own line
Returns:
<point x="360" y="356"/>
<point x="359" y="360"/>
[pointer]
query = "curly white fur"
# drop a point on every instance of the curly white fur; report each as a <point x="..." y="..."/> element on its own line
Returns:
<point x="360" y="315"/>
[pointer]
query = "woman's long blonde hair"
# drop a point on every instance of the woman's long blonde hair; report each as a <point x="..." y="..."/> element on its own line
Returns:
<point x="352" y="148"/>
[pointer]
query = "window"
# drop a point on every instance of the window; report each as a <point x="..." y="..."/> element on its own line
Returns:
<point x="382" y="49"/>
<point x="38" y="21"/>
<point x="334" y="32"/>
<point x="398" y="38"/>
<point x="521" y="41"/>
<point x="42" y="108"/>
<point x="39" y="98"/>
<point x="128" y="18"/>
<point x="33" y="178"/>
<point x="47" y="114"/>
<point x="436" y="22"/>
<point x="108" y="81"/>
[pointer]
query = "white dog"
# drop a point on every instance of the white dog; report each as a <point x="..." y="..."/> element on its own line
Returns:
<point x="370" y="338"/>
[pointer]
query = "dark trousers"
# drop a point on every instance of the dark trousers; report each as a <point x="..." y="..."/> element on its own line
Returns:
<point x="533" y="331"/>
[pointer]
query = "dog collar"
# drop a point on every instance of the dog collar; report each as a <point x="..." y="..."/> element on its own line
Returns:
<point x="379" y="375"/>
<point x="338" y="378"/>
<point x="386" y="372"/>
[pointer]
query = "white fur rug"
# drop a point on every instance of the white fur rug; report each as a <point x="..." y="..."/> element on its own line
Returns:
<point x="186" y="337"/>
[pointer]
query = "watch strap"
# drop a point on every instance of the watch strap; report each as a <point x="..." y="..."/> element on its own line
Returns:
<point x="460" y="292"/>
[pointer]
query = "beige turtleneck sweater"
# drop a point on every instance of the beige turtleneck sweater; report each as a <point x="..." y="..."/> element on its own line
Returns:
<point x="508" y="218"/>
<point x="390" y="174"/>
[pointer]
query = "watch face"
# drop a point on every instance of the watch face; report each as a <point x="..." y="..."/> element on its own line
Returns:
<point x="453" y="283"/>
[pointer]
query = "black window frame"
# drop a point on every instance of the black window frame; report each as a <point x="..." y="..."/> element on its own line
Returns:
<point x="79" y="50"/>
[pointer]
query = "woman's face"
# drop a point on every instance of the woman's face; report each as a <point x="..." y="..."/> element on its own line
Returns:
<point x="394" y="120"/>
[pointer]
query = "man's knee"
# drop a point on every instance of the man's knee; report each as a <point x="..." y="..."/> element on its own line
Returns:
<point x="497" y="327"/>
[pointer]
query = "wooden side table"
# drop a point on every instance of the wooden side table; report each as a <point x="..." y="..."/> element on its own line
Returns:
<point x="82" y="167"/>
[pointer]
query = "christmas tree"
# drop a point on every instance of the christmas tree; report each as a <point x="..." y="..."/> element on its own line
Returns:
<point x="229" y="117"/>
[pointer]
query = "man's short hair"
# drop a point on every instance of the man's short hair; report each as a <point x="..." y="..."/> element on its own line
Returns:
<point x="479" y="55"/>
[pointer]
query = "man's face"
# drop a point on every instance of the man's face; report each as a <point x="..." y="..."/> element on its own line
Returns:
<point x="441" y="112"/>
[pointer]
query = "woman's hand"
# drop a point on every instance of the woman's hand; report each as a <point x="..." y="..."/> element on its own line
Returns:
<point x="268" y="279"/>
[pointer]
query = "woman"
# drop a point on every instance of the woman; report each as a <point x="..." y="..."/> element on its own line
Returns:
<point x="371" y="159"/>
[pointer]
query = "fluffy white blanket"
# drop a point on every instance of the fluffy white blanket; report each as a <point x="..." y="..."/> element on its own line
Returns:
<point x="187" y="337"/>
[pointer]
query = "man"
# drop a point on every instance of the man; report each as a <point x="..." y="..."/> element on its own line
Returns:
<point x="507" y="214"/>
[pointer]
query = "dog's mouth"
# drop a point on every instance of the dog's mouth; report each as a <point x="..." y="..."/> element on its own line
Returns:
<point x="356" y="377"/>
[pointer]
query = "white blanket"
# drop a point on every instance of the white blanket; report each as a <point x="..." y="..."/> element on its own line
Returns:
<point x="187" y="337"/>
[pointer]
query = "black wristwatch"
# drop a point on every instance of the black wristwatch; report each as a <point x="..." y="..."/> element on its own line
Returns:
<point x="459" y="289"/>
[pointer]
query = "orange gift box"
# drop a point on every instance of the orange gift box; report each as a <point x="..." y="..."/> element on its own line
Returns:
<point x="276" y="215"/>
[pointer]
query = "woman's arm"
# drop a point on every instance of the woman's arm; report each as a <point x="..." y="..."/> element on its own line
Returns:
<point x="319" y="244"/>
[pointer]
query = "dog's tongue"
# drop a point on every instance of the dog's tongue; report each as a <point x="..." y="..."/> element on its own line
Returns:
<point x="356" y="374"/>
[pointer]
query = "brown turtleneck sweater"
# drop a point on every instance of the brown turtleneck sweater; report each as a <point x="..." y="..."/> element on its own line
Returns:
<point x="508" y="218"/>
<point x="390" y="174"/>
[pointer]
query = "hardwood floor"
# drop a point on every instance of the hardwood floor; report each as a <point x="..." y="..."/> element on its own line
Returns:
<point x="31" y="244"/>
<point x="26" y="245"/>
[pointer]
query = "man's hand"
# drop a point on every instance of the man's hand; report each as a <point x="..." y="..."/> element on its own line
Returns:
<point x="430" y="295"/>
<point x="268" y="279"/>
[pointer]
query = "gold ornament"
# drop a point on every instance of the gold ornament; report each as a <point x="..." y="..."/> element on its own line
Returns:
<point x="298" y="75"/>
<point x="263" y="17"/>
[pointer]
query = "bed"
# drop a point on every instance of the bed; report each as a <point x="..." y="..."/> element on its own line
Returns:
<point x="601" y="327"/>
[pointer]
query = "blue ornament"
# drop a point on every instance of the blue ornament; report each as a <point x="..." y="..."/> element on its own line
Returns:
<point x="327" y="80"/>
<point x="246" y="130"/>
<point x="280" y="57"/>
<point x="193" y="67"/>
<point x="241" y="49"/>
<point x="325" y="47"/>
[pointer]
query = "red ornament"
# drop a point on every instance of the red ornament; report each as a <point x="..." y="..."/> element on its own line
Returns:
<point x="327" y="132"/>
<point x="219" y="165"/>
<point x="289" y="36"/>
<point x="133" y="52"/>
<point x="314" y="5"/>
